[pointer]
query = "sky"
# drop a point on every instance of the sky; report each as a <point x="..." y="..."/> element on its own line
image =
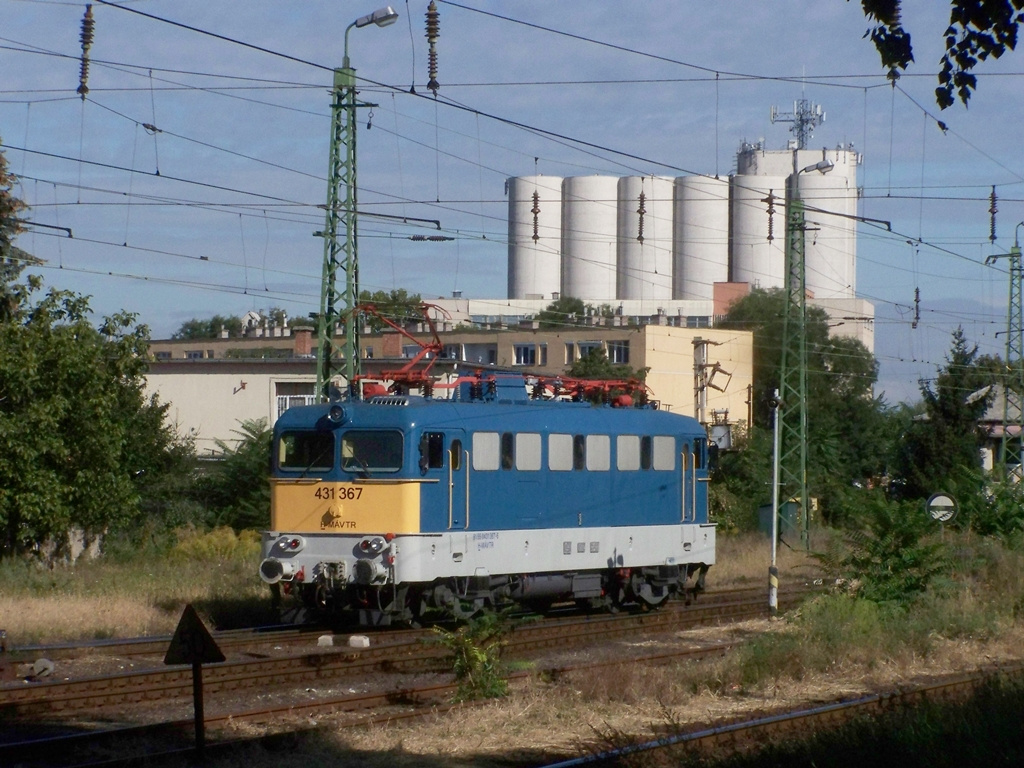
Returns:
<point x="193" y="175"/>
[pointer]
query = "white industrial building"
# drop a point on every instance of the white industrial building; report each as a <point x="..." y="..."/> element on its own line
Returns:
<point x="656" y="245"/>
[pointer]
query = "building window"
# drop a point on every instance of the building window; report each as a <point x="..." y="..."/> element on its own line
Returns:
<point x="452" y="352"/>
<point x="526" y="354"/>
<point x="698" y="321"/>
<point x="411" y="350"/>
<point x="543" y="354"/>
<point x="570" y="353"/>
<point x="162" y="355"/>
<point x="618" y="352"/>
<point x="586" y="347"/>
<point x="193" y="354"/>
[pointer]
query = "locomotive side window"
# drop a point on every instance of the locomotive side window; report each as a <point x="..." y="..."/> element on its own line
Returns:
<point x="560" y="452"/>
<point x="508" y="450"/>
<point x="455" y="452"/>
<point x="579" y="452"/>
<point x="599" y="453"/>
<point x="486" y="453"/>
<point x="366" y="452"/>
<point x="664" y="453"/>
<point x="432" y="450"/>
<point x="645" y="452"/>
<point x="627" y="453"/>
<point x="528" y="451"/>
<point x="305" y="451"/>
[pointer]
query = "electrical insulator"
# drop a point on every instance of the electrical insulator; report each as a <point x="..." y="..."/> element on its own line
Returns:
<point x="993" y="209"/>
<point x="86" y="36"/>
<point x="640" y="220"/>
<point x="536" y="212"/>
<point x="771" y="213"/>
<point x="433" y="32"/>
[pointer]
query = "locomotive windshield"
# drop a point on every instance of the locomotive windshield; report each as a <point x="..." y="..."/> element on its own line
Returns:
<point x="368" y="452"/>
<point x="305" y="451"/>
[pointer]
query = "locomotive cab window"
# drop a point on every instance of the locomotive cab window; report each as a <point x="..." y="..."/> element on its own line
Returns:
<point x="432" y="450"/>
<point x="699" y="451"/>
<point x="366" y="452"/>
<point x="305" y="451"/>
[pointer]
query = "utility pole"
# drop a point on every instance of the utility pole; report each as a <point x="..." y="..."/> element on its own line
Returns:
<point x="340" y="243"/>
<point x="791" y="419"/>
<point x="1011" y="447"/>
<point x="340" y="251"/>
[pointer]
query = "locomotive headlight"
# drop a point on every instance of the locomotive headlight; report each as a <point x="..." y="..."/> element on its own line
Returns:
<point x="336" y="414"/>
<point x="290" y="544"/>
<point x="373" y="546"/>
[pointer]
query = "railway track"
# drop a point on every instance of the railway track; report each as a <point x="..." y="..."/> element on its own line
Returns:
<point x="392" y="653"/>
<point x="407" y="651"/>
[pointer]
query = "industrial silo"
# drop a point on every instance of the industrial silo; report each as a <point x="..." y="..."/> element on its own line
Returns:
<point x="589" y="237"/>
<point x="645" y="238"/>
<point x="758" y="238"/>
<point x="534" y="236"/>
<point x="830" y="241"/>
<point x="701" y="240"/>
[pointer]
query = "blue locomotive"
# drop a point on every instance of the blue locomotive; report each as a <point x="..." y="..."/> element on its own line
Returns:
<point x="390" y="507"/>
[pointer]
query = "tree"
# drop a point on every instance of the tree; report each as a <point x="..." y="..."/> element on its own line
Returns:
<point x="77" y="431"/>
<point x="237" y="489"/>
<point x="209" y="329"/>
<point x="563" y="311"/>
<point x="848" y="428"/>
<point x="978" y="29"/>
<point x="595" y="365"/>
<point x="398" y="306"/>
<point x="948" y="438"/>
<point x="79" y="439"/>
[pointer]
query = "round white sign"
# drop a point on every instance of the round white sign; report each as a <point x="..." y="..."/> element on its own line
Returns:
<point x="941" y="507"/>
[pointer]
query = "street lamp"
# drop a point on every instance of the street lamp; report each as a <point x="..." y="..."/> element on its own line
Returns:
<point x="341" y="252"/>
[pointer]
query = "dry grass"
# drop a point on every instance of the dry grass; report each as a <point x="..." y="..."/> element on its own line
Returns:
<point x="743" y="559"/>
<point x="595" y="709"/>
<point x="142" y="596"/>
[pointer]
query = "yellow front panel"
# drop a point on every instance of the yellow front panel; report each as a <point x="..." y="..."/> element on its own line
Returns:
<point x="311" y="506"/>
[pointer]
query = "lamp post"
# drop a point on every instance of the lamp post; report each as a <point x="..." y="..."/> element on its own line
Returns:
<point x="340" y="247"/>
<point x="793" y="366"/>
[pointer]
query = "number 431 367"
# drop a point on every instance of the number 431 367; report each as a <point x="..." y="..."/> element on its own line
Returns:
<point x="329" y="493"/>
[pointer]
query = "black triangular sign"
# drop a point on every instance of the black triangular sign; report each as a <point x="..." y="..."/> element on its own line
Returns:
<point x="192" y="642"/>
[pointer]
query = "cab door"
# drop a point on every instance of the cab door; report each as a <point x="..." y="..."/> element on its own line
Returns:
<point x="689" y="484"/>
<point x="457" y="466"/>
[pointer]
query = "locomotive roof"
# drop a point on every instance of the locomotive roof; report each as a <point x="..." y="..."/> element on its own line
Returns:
<point x="409" y="411"/>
